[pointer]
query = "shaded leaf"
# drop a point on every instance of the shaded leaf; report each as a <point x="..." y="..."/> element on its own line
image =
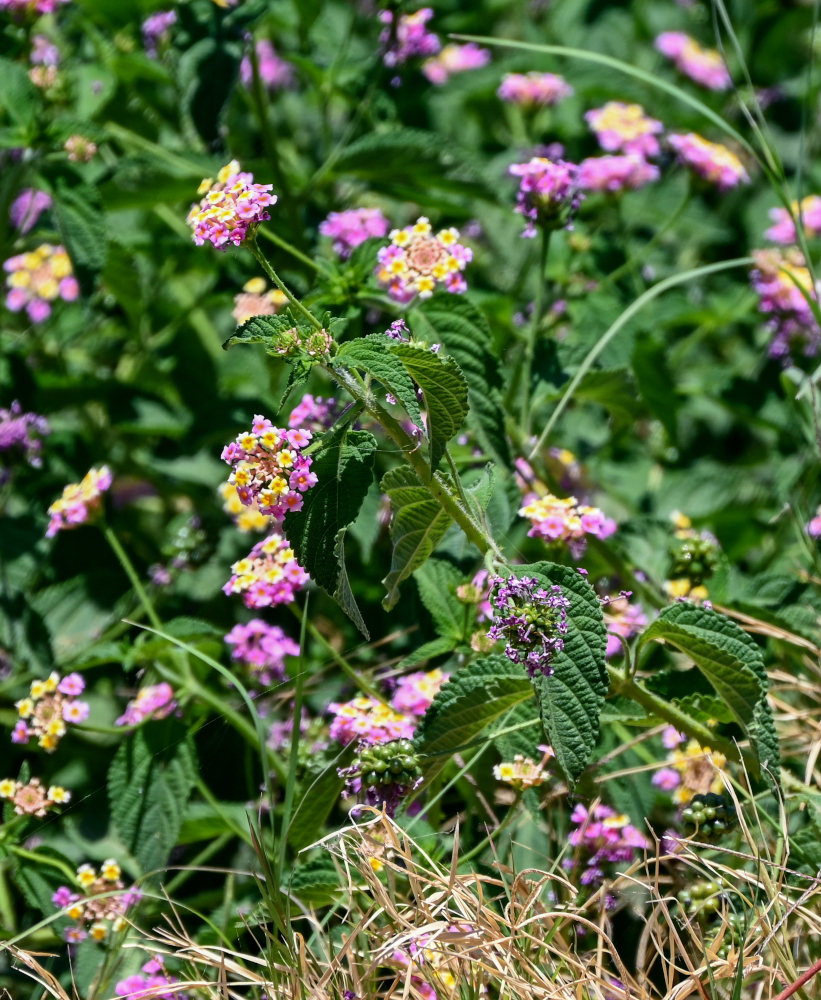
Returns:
<point x="437" y="581"/>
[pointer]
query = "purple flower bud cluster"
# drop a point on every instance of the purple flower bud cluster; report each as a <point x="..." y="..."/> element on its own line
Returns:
<point x="409" y="37"/>
<point x="531" y="619"/>
<point x="262" y="648"/>
<point x="156" y="29"/>
<point x="602" y="836"/>
<point x="23" y="430"/>
<point x="548" y="193"/>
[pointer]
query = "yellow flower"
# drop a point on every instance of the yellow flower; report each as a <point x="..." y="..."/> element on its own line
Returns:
<point x="98" y="931"/>
<point x="59" y="794"/>
<point x="7" y="788"/>
<point x="86" y="875"/>
<point x="110" y="870"/>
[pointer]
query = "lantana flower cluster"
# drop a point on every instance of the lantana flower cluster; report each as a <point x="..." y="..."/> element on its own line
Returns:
<point x="27" y="208"/>
<point x="50" y="707"/>
<point x="269" y="470"/>
<point x="565" y="520"/>
<point x="522" y="773"/>
<point x="625" y="128"/>
<point x="151" y="984"/>
<point x="548" y="193"/>
<point x="616" y="173"/>
<point x="350" y="228"/>
<point x="602" y="837"/>
<point x="784" y="283"/>
<point x="262" y="648"/>
<point x="531" y="620"/>
<point x="704" y="66"/>
<point x="36" y="279"/>
<point x="268" y="575"/>
<point x="44" y="58"/>
<point x="80" y="149"/>
<point x="80" y="502"/>
<point x="533" y="89"/>
<point x="31" y="6"/>
<point x="100" y="907"/>
<point x="32" y="798"/>
<point x="256" y="299"/>
<point x="247" y="519"/>
<point x="313" y="413"/>
<point x="417" y="260"/>
<point x="155" y="701"/>
<point x="711" y="160"/>
<point x="229" y="207"/>
<point x="24" y="431"/>
<point x="691" y="770"/>
<point x="622" y="619"/>
<point x="156" y="30"/>
<point x="783" y="229"/>
<point x="409" y="38"/>
<point x="274" y="72"/>
<point x="454" y="59"/>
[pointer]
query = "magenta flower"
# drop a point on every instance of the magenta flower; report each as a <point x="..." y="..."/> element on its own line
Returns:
<point x="23" y="430"/>
<point x="531" y="619"/>
<point x="262" y="648"/>
<point x="532" y="89"/>
<point x="80" y="502"/>
<point x="602" y="837"/>
<point x="784" y="283"/>
<point x="712" y="161"/>
<point x="784" y="230"/>
<point x="615" y="173"/>
<point x="625" y="128"/>
<point x="350" y="228"/>
<point x="622" y="619"/>
<point x="814" y="526"/>
<point x="27" y="208"/>
<point x="548" y="193"/>
<point x="367" y="719"/>
<point x="229" y="207"/>
<point x="454" y="59"/>
<point x="704" y="66"/>
<point x="415" y="692"/>
<point x="274" y="73"/>
<point x="31" y="6"/>
<point x="156" y="701"/>
<point x="409" y="38"/>
<point x="313" y="413"/>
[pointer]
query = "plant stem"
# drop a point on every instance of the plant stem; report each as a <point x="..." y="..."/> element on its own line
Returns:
<point x="251" y="243"/>
<point x="533" y="333"/>
<point x="131" y="573"/>
<point x="292" y="250"/>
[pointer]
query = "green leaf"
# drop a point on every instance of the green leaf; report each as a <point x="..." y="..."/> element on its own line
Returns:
<point x="267" y="330"/>
<point x="437" y="581"/>
<point x="731" y="661"/>
<point x="418" y="523"/>
<point x="149" y="782"/>
<point x="571" y="699"/>
<point x="316" y="882"/>
<point x="202" y="821"/>
<point x="374" y="355"/>
<point x="445" y="391"/>
<point x="655" y="382"/>
<point x="38" y="880"/>
<point x="319" y="794"/>
<point x="344" y="471"/>
<point x="466" y="335"/>
<point x="474" y="697"/>
<point x="614" y="389"/>
<point x="19" y="97"/>
<point x="82" y="224"/>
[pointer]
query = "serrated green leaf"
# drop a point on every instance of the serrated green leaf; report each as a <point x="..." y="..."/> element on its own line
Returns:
<point x="373" y="355"/>
<point x="316" y="882"/>
<point x="465" y="333"/>
<point x="267" y="330"/>
<point x="81" y="220"/>
<point x="571" y="699"/>
<point x="149" y="782"/>
<point x="38" y="880"/>
<point x="474" y="697"/>
<point x="437" y="581"/>
<point x="731" y="660"/>
<point x="445" y="391"/>
<point x="344" y="471"/>
<point x="418" y="523"/>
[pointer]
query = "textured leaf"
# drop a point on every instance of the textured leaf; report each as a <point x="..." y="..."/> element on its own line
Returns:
<point x="614" y="389"/>
<point x="437" y="581"/>
<point x="80" y="217"/>
<point x="266" y="330"/>
<point x="465" y="333"/>
<point x="445" y="390"/>
<point x="474" y="697"/>
<point x="655" y="382"/>
<point x="316" y="882"/>
<point x="418" y="523"/>
<point x="731" y="660"/>
<point x="149" y="782"/>
<point x="571" y="699"/>
<point x="344" y="471"/>
<point x="18" y="95"/>
<point x="373" y="355"/>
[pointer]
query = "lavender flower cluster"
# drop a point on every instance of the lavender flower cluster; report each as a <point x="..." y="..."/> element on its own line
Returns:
<point x="531" y="619"/>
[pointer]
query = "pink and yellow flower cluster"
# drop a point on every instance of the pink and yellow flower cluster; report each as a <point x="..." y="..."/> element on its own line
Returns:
<point x="533" y="89"/>
<point x="783" y="230"/>
<point x="229" y="207"/>
<point x="155" y="701"/>
<point x="711" y="160"/>
<point x="704" y="66"/>
<point x="80" y="502"/>
<point x="565" y="520"/>
<point x="256" y="299"/>
<point x="31" y="798"/>
<point x="36" y="279"/>
<point x="48" y="709"/>
<point x="262" y="648"/>
<point x="350" y="228"/>
<point x="269" y="471"/>
<point x="417" y="260"/>
<point x="268" y="575"/>
<point x="100" y="907"/>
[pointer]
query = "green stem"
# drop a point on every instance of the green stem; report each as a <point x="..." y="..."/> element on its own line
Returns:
<point x="251" y="243"/>
<point x="671" y="713"/>
<point x="131" y="573"/>
<point x="292" y="250"/>
<point x="533" y="332"/>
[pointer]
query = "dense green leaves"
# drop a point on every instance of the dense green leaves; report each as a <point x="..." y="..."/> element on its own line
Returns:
<point x="445" y="391"/>
<point x="437" y="581"/>
<point x="374" y="356"/>
<point x="474" y="697"/>
<point x="731" y="661"/>
<point x="149" y="782"/>
<point x="344" y="470"/>
<point x="418" y="523"/>
<point x="571" y="699"/>
<point x="465" y="334"/>
<point x="267" y="330"/>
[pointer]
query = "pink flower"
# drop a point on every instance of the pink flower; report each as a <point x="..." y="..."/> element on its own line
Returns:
<point x="367" y="719"/>
<point x="784" y="229"/>
<point x="454" y="59"/>
<point x="666" y="779"/>
<point x="625" y="128"/>
<point x="548" y="192"/>
<point x="814" y="526"/>
<point x="269" y="575"/>
<point x="262" y="648"/>
<point x="156" y="701"/>
<point x="229" y="207"/>
<point x="410" y="36"/>
<point x="274" y="73"/>
<point x="27" y="208"/>
<point x="156" y="30"/>
<point x="72" y="684"/>
<point x="38" y="278"/>
<point x="530" y="89"/>
<point x="416" y="261"/>
<point x="415" y="692"/>
<point x="80" y="502"/>
<point x="615" y="173"/>
<point x="711" y="160"/>
<point x="350" y="228"/>
<point x="704" y="66"/>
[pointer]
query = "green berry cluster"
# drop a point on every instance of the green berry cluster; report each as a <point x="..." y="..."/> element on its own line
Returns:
<point x="392" y="763"/>
<point x="701" y="900"/>
<point x="709" y="815"/>
<point x="694" y="558"/>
